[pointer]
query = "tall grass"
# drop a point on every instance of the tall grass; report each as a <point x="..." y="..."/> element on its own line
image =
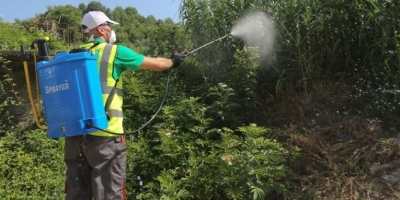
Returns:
<point x="352" y="40"/>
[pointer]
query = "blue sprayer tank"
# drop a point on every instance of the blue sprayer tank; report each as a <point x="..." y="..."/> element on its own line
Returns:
<point x="71" y="92"/>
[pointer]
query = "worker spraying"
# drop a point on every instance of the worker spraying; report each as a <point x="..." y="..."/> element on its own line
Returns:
<point x="82" y="100"/>
<point x="102" y="156"/>
<point x="91" y="121"/>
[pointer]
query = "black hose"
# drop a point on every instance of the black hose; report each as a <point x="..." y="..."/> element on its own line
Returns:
<point x="89" y="125"/>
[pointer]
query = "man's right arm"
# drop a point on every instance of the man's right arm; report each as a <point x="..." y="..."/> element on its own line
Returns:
<point x="128" y="59"/>
<point x="156" y="64"/>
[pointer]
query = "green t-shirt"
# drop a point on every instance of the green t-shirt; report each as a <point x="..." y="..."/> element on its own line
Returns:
<point x="125" y="58"/>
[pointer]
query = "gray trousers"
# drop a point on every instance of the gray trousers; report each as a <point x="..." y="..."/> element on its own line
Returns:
<point x="95" y="167"/>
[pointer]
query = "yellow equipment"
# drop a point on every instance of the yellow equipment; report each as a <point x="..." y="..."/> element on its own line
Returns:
<point x="43" y="55"/>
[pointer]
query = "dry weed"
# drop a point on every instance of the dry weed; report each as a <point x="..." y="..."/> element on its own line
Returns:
<point x="337" y="147"/>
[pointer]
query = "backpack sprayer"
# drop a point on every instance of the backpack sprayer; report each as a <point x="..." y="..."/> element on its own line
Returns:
<point x="70" y="88"/>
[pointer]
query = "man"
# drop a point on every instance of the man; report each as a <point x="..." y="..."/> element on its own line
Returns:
<point x="96" y="162"/>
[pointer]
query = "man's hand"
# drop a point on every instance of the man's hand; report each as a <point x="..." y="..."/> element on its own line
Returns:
<point x="177" y="58"/>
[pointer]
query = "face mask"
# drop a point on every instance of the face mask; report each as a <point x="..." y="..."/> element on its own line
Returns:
<point x="113" y="37"/>
<point x="91" y="38"/>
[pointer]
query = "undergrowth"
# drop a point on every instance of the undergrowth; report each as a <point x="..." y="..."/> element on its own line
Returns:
<point x="31" y="166"/>
<point x="338" y="145"/>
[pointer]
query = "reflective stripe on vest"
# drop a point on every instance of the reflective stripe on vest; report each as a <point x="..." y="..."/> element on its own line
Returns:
<point x="105" y="61"/>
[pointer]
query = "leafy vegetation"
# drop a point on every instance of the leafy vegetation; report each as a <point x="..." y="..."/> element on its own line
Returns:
<point x="8" y="97"/>
<point x="32" y="166"/>
<point x="306" y="122"/>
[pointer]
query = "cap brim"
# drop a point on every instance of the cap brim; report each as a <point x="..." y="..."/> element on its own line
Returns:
<point x="113" y="22"/>
<point x="110" y="21"/>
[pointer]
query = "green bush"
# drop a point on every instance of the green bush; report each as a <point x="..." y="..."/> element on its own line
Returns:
<point x="8" y="97"/>
<point x="186" y="159"/>
<point x="31" y="166"/>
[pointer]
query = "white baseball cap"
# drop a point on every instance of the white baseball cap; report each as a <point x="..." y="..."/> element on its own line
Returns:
<point x="93" y="19"/>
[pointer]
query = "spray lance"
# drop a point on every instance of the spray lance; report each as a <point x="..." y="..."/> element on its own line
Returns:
<point x="219" y="39"/>
<point x="186" y="53"/>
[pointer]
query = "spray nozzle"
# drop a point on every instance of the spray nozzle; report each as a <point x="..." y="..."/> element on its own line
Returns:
<point x="184" y="53"/>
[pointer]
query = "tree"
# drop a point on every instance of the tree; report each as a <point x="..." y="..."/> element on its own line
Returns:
<point x="64" y="22"/>
<point x="97" y="6"/>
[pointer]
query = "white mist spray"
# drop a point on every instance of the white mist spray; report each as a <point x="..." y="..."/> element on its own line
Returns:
<point x="256" y="30"/>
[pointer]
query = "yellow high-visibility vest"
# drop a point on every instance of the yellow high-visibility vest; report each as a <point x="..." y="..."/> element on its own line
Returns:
<point x="105" y="63"/>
